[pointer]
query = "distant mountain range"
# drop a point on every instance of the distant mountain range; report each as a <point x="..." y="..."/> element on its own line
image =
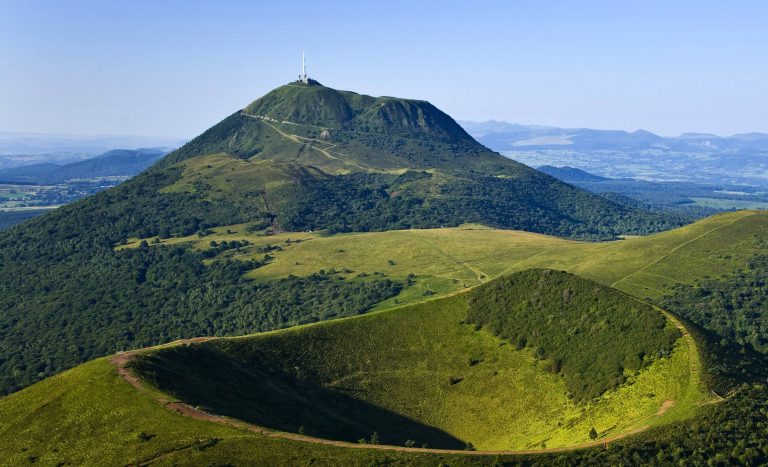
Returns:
<point x="513" y="136"/>
<point x="697" y="199"/>
<point x="691" y="157"/>
<point x="570" y="174"/>
<point x="114" y="163"/>
<point x="14" y="143"/>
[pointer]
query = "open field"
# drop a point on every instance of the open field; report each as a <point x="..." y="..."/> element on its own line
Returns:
<point x="451" y="259"/>
<point x="718" y="203"/>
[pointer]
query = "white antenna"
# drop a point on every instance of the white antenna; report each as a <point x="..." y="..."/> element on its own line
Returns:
<point x="303" y="76"/>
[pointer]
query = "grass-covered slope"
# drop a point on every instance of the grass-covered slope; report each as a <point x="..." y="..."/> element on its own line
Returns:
<point x="344" y="131"/>
<point x="65" y="291"/>
<point x="46" y="424"/>
<point x="592" y="335"/>
<point x="419" y="373"/>
<point x="451" y="259"/>
<point x="645" y="267"/>
<point x="389" y="163"/>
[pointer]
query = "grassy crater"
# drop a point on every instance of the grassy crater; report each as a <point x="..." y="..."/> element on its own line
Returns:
<point x="418" y="375"/>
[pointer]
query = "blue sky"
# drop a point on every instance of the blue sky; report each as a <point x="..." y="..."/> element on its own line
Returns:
<point x="173" y="68"/>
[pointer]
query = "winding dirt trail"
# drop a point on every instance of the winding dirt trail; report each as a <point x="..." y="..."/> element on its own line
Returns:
<point x="305" y="140"/>
<point x="122" y="360"/>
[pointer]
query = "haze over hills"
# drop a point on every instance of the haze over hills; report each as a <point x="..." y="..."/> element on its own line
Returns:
<point x="695" y="199"/>
<point x="513" y="135"/>
<point x="25" y="148"/>
<point x="692" y="157"/>
<point x="113" y="163"/>
<point x="323" y="273"/>
<point x="570" y="174"/>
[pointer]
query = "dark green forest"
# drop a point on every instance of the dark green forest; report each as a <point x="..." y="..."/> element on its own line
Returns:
<point x="11" y="218"/>
<point x="61" y="271"/>
<point x="734" y="306"/>
<point x="373" y="202"/>
<point x="589" y="333"/>
<point x="66" y="296"/>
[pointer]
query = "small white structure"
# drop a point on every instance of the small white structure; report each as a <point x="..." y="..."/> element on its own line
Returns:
<point x="303" y="75"/>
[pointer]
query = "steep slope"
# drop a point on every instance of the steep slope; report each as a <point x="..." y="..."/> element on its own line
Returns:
<point x="343" y="131"/>
<point x="382" y="163"/>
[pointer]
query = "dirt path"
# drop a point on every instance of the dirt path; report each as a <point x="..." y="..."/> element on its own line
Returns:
<point x="305" y="140"/>
<point x="479" y="275"/>
<point x="121" y="361"/>
<point x="668" y="404"/>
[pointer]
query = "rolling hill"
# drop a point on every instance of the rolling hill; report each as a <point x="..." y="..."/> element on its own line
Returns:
<point x="342" y="163"/>
<point x="380" y="234"/>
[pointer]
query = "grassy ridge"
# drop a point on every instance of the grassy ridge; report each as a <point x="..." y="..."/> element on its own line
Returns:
<point x="646" y="267"/>
<point x="92" y="399"/>
<point x="61" y="269"/>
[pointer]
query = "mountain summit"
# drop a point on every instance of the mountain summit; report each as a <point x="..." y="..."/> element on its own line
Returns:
<point x="309" y="157"/>
<point x="339" y="132"/>
<point x="318" y="106"/>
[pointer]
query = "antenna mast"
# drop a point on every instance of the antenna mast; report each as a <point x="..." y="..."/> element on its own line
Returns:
<point x="303" y="76"/>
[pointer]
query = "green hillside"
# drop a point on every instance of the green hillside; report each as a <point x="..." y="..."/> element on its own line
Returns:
<point x="348" y="163"/>
<point x="418" y="373"/>
<point x="454" y="258"/>
<point x="311" y="157"/>
<point x="444" y="383"/>
<point x="128" y="426"/>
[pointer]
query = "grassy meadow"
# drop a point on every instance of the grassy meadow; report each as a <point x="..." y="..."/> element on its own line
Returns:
<point x="452" y="259"/>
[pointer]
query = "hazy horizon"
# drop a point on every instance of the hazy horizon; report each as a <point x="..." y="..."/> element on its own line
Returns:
<point x="461" y="122"/>
<point x="172" y="69"/>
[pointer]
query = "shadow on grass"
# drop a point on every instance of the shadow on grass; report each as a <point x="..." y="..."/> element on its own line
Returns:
<point x="201" y="376"/>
